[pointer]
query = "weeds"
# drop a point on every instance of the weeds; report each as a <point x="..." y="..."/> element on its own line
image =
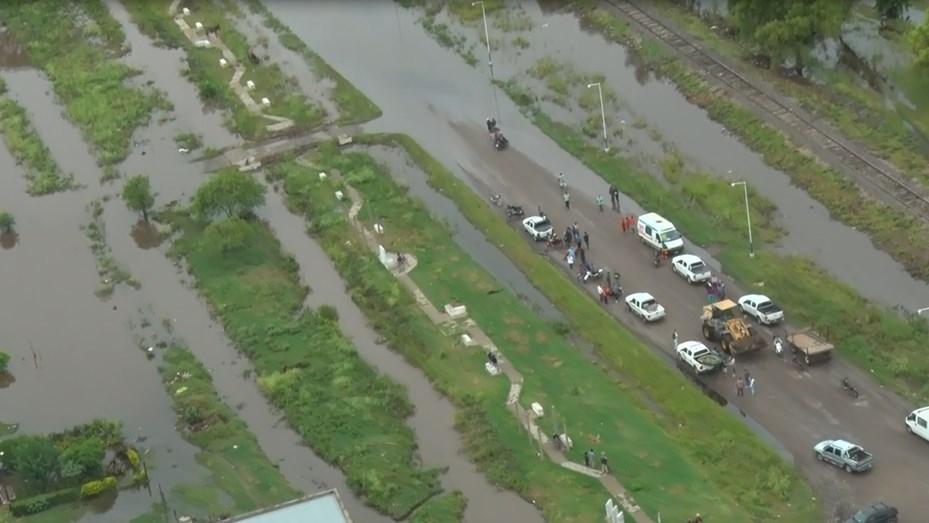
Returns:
<point x="189" y="141"/>
<point x="446" y="38"/>
<point x="109" y="271"/>
<point x="80" y="60"/>
<point x="26" y="146"/>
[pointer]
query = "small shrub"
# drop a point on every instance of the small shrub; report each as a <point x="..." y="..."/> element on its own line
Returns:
<point x="229" y="235"/>
<point x="97" y="487"/>
<point x="4" y="362"/>
<point x="36" y="504"/>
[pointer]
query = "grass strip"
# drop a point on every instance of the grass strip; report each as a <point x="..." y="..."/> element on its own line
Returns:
<point x="447" y="508"/>
<point x="212" y="79"/>
<point x="348" y="413"/>
<point x="686" y="446"/>
<point x="900" y="235"/>
<point x="77" y="45"/>
<point x="42" y="172"/>
<point x="492" y="437"/>
<point x="876" y="339"/>
<point x="354" y="106"/>
<point x="240" y="472"/>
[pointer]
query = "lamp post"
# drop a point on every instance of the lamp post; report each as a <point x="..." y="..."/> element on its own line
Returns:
<point x="490" y="58"/>
<point x="748" y="216"/>
<point x="606" y="144"/>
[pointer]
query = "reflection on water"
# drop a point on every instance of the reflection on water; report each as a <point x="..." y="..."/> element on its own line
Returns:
<point x="9" y="239"/>
<point x="146" y="235"/>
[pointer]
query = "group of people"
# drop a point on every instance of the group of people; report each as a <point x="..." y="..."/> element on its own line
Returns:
<point x="590" y="458"/>
<point x="500" y="141"/>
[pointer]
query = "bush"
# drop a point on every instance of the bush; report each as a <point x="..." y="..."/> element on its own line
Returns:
<point x="4" y="362"/>
<point x="228" y="235"/>
<point x="36" y="504"/>
<point x="7" y="221"/>
<point x="96" y="487"/>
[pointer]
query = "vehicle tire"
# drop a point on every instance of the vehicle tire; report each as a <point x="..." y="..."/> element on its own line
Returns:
<point x="909" y="429"/>
<point x="819" y="457"/>
<point x="848" y="468"/>
<point x="707" y="332"/>
<point x="806" y="359"/>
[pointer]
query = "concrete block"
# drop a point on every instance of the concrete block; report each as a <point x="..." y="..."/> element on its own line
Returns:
<point x="198" y="26"/>
<point x="537" y="409"/>
<point x="265" y="102"/>
<point x="491" y="368"/>
<point x="223" y="62"/>
<point x="345" y="139"/>
<point x="339" y="195"/>
<point x="322" y="177"/>
<point x="466" y="340"/>
<point x="250" y="85"/>
<point x="186" y="11"/>
<point x="456" y="311"/>
<point x="203" y="42"/>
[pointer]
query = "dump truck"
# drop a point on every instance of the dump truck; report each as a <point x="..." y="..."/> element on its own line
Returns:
<point x="809" y="346"/>
<point x="723" y="322"/>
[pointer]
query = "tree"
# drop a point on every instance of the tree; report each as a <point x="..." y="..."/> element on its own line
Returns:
<point x="789" y="28"/>
<point x="34" y="458"/>
<point x="891" y="9"/>
<point x="919" y="39"/>
<point x="137" y="193"/>
<point x="83" y="459"/>
<point x="228" y="235"/>
<point x="7" y="221"/>
<point x="228" y="193"/>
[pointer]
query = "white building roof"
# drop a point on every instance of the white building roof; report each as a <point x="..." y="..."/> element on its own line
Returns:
<point x="322" y="507"/>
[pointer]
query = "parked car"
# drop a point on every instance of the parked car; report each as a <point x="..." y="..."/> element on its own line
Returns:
<point x="700" y="358"/>
<point x="761" y="308"/>
<point x="876" y="513"/>
<point x="645" y="306"/>
<point x="691" y="268"/>
<point x="918" y="423"/>
<point x="844" y="454"/>
<point x="538" y="227"/>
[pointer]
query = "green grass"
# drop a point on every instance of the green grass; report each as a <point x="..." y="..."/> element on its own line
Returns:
<point x="109" y="272"/>
<point x="891" y="347"/>
<point x="891" y="229"/>
<point x="348" y="413"/>
<point x="23" y="142"/>
<point x="84" y="68"/>
<point x="448" y="38"/>
<point x="447" y="508"/>
<point x="212" y="80"/>
<point x="354" y="106"/>
<point x="239" y="470"/>
<point x="688" y="448"/>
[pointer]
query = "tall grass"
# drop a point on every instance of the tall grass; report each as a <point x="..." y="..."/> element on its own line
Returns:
<point x="77" y="45"/>
<point x="23" y="142"/>
<point x="685" y="428"/>
<point x="349" y="414"/>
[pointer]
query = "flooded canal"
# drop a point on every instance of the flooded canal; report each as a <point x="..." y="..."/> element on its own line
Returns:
<point x="431" y="88"/>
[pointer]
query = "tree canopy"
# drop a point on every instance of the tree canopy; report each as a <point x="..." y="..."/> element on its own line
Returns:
<point x="228" y="193"/>
<point x="919" y="39"/>
<point x="137" y="193"/>
<point x="228" y="235"/>
<point x="35" y="458"/>
<point x="788" y="28"/>
<point x="83" y="459"/>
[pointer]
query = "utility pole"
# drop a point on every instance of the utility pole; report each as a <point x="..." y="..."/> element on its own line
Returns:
<point x="490" y="59"/>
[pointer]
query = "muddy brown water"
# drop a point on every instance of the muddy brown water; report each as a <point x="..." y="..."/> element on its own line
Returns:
<point x="422" y="87"/>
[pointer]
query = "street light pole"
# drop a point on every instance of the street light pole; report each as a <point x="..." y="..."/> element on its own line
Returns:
<point x="748" y="217"/>
<point x="490" y="58"/>
<point x="606" y="144"/>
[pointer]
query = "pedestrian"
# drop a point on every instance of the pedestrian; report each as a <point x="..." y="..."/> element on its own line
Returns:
<point x="751" y="385"/>
<point x="601" y="293"/>
<point x="569" y="257"/>
<point x="622" y="223"/>
<point x="567" y="236"/>
<point x="604" y="466"/>
<point x="609" y="279"/>
<point x="589" y="458"/>
<point x="698" y="519"/>
<point x="600" y="202"/>
<point x="583" y="254"/>
<point x="577" y="231"/>
<point x="675" y="338"/>
<point x="567" y="200"/>
<point x="586" y="239"/>
<point x="614" y="196"/>
<point x="562" y="182"/>
<point x="731" y="365"/>
<point x="747" y="376"/>
<point x="740" y="387"/>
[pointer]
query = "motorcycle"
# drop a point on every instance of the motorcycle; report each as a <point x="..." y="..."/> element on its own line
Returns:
<point x="500" y="141"/>
<point x="553" y="241"/>
<point x="588" y="273"/>
<point x="849" y="388"/>
<point x="514" y="211"/>
<point x="657" y="260"/>
<point x="778" y="346"/>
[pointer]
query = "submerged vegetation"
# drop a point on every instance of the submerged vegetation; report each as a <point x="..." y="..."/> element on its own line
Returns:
<point x="110" y="272"/>
<point x="348" y="413"/>
<point x="78" y="45"/>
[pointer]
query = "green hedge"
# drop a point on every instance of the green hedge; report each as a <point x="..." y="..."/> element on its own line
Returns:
<point x="97" y="487"/>
<point x="36" y="504"/>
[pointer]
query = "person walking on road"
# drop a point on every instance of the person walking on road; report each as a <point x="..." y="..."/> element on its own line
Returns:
<point x="562" y="182"/>
<point x="568" y="237"/>
<point x="604" y="465"/>
<point x="586" y="239"/>
<point x="567" y="200"/>
<point x="600" y="202"/>
<point x="740" y="387"/>
<point x="747" y="376"/>
<point x="614" y="197"/>
<point x="751" y="385"/>
<point x="674" y="337"/>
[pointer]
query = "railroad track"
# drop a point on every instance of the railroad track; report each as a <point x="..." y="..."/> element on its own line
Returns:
<point x="887" y="183"/>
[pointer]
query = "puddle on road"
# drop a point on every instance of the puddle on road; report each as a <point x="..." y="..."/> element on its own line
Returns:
<point x="465" y="235"/>
<point x="438" y="442"/>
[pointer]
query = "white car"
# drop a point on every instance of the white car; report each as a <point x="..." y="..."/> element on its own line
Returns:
<point x="699" y="357"/>
<point x="761" y="308"/>
<point x="691" y="268"/>
<point x="538" y="227"/>
<point x="645" y="306"/>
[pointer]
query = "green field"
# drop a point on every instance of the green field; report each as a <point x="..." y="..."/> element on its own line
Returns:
<point x="646" y="407"/>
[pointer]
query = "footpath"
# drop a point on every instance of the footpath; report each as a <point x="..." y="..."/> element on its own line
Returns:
<point x="527" y="417"/>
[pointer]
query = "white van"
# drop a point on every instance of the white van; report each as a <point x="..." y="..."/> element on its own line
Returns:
<point x="918" y="423"/>
<point x="655" y="231"/>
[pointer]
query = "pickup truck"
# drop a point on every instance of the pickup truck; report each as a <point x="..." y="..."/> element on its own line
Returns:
<point x="844" y="455"/>
<point x="809" y="346"/>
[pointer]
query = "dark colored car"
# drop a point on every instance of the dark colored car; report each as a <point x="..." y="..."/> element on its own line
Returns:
<point x="876" y="513"/>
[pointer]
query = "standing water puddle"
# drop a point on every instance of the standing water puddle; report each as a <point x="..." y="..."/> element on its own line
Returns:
<point x="431" y="87"/>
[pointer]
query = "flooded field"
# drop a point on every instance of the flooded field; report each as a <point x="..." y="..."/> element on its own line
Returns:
<point x="432" y="90"/>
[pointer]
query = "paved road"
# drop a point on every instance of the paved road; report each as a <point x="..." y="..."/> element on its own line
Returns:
<point x="443" y="108"/>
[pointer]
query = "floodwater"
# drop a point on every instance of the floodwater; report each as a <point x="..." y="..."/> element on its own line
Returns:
<point x="433" y="419"/>
<point x="431" y="88"/>
<point x="12" y="53"/>
<point x="465" y="234"/>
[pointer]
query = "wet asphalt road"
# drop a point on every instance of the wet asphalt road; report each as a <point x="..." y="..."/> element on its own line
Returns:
<point x="796" y="409"/>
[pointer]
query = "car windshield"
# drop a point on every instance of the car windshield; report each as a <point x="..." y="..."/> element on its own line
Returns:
<point x="768" y="306"/>
<point x="700" y="352"/>
<point x="670" y="236"/>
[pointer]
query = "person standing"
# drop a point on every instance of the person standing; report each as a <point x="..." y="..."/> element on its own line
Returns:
<point x="586" y="239"/>
<point x="604" y="465"/>
<point x="674" y="336"/>
<point x="600" y="202"/>
<point x="740" y="387"/>
<point x="751" y="385"/>
<point x="567" y="200"/>
<point x="589" y="458"/>
<point x="562" y="182"/>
